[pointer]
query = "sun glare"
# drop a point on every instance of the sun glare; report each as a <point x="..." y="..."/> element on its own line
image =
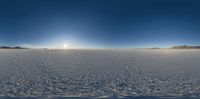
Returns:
<point x="65" y="46"/>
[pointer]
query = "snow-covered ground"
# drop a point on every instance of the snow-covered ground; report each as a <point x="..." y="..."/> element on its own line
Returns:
<point x="99" y="73"/>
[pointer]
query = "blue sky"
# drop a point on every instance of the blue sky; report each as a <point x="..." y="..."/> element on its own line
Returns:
<point x="99" y="23"/>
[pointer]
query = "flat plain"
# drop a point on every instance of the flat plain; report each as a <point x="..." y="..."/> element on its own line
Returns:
<point x="100" y="73"/>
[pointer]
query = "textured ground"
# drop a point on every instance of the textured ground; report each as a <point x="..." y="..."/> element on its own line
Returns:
<point x="99" y="73"/>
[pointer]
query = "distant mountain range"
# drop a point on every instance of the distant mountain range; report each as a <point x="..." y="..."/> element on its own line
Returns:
<point x="185" y="47"/>
<point x="8" y="47"/>
<point x="174" y="47"/>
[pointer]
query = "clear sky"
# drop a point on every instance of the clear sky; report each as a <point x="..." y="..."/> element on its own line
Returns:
<point x="99" y="23"/>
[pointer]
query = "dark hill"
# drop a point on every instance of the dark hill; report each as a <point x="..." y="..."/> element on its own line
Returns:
<point x="186" y="47"/>
<point x="8" y="47"/>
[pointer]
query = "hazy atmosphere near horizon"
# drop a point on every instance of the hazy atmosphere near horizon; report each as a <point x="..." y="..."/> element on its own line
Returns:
<point x="99" y="23"/>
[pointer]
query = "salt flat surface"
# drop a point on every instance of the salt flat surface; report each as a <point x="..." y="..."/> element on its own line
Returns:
<point x="99" y="73"/>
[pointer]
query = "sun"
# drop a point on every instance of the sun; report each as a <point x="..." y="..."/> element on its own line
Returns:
<point x="65" y="46"/>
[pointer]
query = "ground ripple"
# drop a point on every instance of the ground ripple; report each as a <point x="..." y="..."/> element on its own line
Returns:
<point x="100" y="73"/>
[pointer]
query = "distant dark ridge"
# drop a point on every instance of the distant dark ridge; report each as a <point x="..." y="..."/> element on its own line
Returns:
<point x="186" y="47"/>
<point x="155" y="48"/>
<point x="8" y="47"/>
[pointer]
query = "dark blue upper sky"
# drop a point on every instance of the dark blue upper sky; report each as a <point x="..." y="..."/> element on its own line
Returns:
<point x="100" y="23"/>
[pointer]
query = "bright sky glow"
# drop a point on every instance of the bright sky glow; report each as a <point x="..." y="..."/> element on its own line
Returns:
<point x="65" y="45"/>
